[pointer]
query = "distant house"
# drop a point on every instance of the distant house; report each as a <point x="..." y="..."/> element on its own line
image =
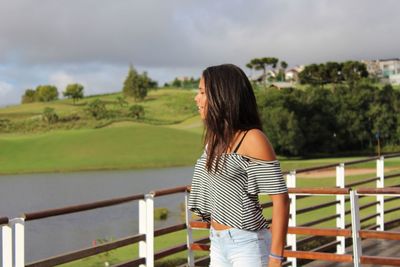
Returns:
<point x="293" y="73"/>
<point x="184" y="78"/>
<point x="385" y="69"/>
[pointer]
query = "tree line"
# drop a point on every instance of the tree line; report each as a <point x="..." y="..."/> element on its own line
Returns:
<point x="342" y="119"/>
<point x="47" y="93"/>
<point x="333" y="72"/>
<point x="264" y="62"/>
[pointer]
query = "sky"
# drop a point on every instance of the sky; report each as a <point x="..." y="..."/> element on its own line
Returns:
<point x="93" y="42"/>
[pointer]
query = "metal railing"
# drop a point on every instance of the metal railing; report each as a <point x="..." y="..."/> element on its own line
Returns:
<point x="13" y="231"/>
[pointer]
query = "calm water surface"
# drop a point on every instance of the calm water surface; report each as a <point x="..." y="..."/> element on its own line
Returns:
<point x="52" y="236"/>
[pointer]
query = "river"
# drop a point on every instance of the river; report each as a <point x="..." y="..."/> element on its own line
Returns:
<point x="52" y="236"/>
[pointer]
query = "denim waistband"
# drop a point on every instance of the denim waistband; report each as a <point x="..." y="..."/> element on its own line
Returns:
<point x="235" y="231"/>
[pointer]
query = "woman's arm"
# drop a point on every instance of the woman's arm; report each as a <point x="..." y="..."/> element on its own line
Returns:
<point x="256" y="145"/>
<point x="280" y="217"/>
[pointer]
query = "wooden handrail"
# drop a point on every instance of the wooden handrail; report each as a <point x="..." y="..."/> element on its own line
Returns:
<point x="169" y="251"/>
<point x="319" y="206"/>
<point x="83" y="253"/>
<point x="169" y="229"/>
<point x="380" y="260"/>
<point x="78" y="208"/>
<point x="393" y="155"/>
<point x="346" y="163"/>
<point x="327" y="166"/>
<point x="353" y="162"/>
<point x="320" y="190"/>
<point x="389" y="235"/>
<point x="379" y="191"/>
<point x="318" y="256"/>
<point x="200" y="247"/>
<point x="363" y="182"/>
<point x="391" y="199"/>
<point x="319" y="231"/>
<point x="169" y="191"/>
<point x="321" y="220"/>
<point x="392" y="210"/>
<point x="199" y="225"/>
<point x="392" y="176"/>
<point x="131" y="263"/>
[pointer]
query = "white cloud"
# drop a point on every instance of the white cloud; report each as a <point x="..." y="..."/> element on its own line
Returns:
<point x="7" y="93"/>
<point x="61" y="80"/>
<point x="5" y="88"/>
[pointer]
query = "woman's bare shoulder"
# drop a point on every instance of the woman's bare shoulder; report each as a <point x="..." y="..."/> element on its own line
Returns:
<point x="256" y="145"/>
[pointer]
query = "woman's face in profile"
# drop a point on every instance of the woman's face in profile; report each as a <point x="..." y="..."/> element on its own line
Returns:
<point x="201" y="99"/>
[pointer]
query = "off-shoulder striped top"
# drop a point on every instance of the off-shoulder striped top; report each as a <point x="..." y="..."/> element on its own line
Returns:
<point x="230" y="196"/>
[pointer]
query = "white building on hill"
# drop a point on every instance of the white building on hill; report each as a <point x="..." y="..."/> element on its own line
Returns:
<point x="384" y="69"/>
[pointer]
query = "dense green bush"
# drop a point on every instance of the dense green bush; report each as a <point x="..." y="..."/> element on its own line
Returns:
<point x="49" y="115"/>
<point x="318" y="120"/>
<point x="97" y="109"/>
<point x="161" y="213"/>
<point x="136" y="111"/>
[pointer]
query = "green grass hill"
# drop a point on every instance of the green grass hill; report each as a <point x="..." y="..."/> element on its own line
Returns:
<point x="169" y="134"/>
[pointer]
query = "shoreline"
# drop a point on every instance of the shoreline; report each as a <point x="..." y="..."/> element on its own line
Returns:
<point x="133" y="168"/>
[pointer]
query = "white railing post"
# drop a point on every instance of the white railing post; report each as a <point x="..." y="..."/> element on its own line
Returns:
<point x="6" y="244"/>
<point x="189" y="235"/>
<point x="291" y="238"/>
<point x="142" y="229"/>
<point x="340" y="209"/>
<point x="380" y="183"/>
<point x="18" y="227"/>
<point x="355" y="228"/>
<point x="149" y="230"/>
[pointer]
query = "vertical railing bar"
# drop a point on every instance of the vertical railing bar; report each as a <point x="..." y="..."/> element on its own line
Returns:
<point x="149" y="198"/>
<point x="380" y="183"/>
<point x="340" y="208"/>
<point x="142" y="229"/>
<point x="189" y="232"/>
<point x="6" y="244"/>
<point x="18" y="231"/>
<point x="355" y="225"/>
<point x="292" y="238"/>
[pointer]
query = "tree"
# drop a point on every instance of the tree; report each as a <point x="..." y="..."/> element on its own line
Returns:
<point x="29" y="96"/>
<point x="353" y="71"/>
<point x="74" y="91"/>
<point x="262" y="64"/>
<point x="281" y="74"/>
<point x="46" y="93"/>
<point x="136" y="85"/>
<point x="176" y="83"/>
<point x="49" y="115"/>
<point x="97" y="109"/>
<point x="136" y="111"/>
<point x="121" y="101"/>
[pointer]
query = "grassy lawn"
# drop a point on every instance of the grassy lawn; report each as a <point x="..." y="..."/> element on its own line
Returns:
<point x="124" y="147"/>
<point x="169" y="135"/>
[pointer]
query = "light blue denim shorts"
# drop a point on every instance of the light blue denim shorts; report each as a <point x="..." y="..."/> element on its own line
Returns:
<point x="239" y="248"/>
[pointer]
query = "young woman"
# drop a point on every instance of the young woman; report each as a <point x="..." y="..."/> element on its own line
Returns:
<point x="238" y="163"/>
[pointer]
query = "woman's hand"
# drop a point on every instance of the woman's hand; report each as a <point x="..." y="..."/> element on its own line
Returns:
<point x="274" y="262"/>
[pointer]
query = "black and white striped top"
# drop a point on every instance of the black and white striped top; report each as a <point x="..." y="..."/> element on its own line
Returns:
<point x="230" y="196"/>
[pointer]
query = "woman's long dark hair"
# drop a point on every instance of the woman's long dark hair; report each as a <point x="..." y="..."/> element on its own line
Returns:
<point x="231" y="107"/>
